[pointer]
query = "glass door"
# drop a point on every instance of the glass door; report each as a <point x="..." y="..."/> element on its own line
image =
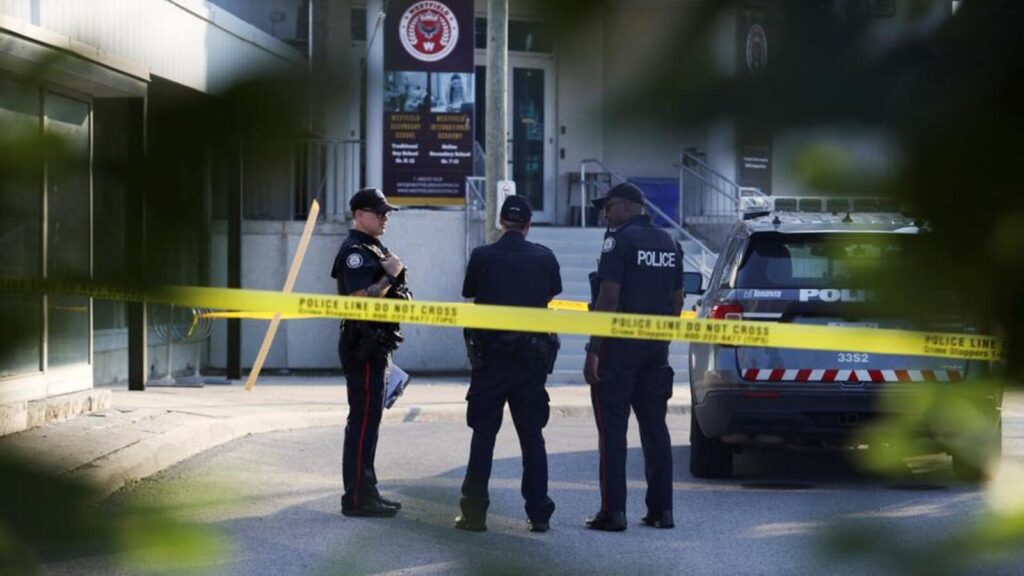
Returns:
<point x="531" y="132"/>
<point x="68" y="233"/>
<point x="531" y="123"/>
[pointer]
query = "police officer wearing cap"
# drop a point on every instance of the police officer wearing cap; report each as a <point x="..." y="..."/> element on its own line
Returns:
<point x="640" y="272"/>
<point x="509" y="367"/>
<point x="364" y="267"/>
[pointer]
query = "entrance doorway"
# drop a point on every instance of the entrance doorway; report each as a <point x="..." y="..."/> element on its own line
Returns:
<point x="531" y="128"/>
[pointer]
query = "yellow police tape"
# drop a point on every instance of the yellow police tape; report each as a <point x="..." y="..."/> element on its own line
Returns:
<point x="553" y="305"/>
<point x="461" y="315"/>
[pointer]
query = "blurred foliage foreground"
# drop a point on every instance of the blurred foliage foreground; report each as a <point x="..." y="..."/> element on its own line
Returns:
<point x="948" y="98"/>
<point x="50" y="515"/>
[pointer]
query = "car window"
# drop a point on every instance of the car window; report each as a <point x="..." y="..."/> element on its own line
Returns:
<point x="776" y="260"/>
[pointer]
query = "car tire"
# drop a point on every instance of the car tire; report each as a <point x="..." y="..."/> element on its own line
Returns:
<point x="979" y="466"/>
<point x="709" y="457"/>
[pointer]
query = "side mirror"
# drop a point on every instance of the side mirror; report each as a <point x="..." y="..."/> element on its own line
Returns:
<point x="693" y="283"/>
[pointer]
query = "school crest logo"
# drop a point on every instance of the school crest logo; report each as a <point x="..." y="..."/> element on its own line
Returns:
<point x="355" y="260"/>
<point x="429" y="30"/>
<point x="757" y="49"/>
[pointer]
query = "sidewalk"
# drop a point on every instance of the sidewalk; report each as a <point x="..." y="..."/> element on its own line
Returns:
<point x="146" y="432"/>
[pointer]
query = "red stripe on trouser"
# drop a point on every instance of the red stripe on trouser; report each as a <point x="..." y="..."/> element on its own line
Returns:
<point x="600" y="443"/>
<point x="362" y="436"/>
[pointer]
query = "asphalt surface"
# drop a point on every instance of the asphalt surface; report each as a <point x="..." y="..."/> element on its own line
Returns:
<point x="274" y="498"/>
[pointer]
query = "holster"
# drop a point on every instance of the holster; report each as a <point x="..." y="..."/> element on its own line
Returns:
<point x="363" y="341"/>
<point x="595" y="288"/>
<point x="474" y="348"/>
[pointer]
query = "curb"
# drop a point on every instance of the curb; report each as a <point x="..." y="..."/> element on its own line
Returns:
<point x="26" y="415"/>
<point x="134" y="462"/>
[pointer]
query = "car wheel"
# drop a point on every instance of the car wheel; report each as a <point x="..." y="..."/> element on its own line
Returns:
<point x="709" y="457"/>
<point x="979" y="465"/>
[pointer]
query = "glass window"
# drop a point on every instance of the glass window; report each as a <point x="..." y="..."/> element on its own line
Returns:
<point x="359" y="24"/>
<point x="523" y="36"/>
<point x="68" y="201"/>
<point x="20" y="233"/>
<point x="775" y="260"/>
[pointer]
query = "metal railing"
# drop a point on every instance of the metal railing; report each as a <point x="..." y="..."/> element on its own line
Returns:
<point x="703" y="261"/>
<point x="476" y="210"/>
<point x="329" y="171"/>
<point x="709" y="203"/>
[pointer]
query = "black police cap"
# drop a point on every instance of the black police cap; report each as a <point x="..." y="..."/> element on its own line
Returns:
<point x="516" y="209"/>
<point x="370" y="199"/>
<point x="626" y="191"/>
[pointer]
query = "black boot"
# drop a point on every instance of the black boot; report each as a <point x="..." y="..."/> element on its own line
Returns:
<point x="390" y="503"/>
<point x="538" y="525"/>
<point x="608" y="521"/>
<point x="474" y="514"/>
<point x="370" y="509"/>
<point x="463" y="522"/>
<point x="661" y="519"/>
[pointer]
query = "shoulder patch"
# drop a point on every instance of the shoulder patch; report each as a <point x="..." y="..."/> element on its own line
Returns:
<point x="609" y="244"/>
<point x="354" y="260"/>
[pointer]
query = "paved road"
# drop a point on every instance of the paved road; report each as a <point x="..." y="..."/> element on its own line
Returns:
<point x="275" y="498"/>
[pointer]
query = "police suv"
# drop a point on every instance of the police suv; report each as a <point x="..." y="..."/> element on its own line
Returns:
<point x="796" y="267"/>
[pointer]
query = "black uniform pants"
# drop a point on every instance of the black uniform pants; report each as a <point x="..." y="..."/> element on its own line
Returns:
<point x="647" y="391"/>
<point x="521" y="385"/>
<point x="365" y="383"/>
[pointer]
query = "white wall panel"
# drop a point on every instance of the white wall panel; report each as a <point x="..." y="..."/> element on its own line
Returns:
<point x="190" y="42"/>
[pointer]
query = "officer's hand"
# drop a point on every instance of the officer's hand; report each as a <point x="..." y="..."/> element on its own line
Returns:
<point x="590" y="369"/>
<point x="392" y="265"/>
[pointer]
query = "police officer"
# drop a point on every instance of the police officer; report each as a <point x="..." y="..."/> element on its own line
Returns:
<point x="509" y="367"/>
<point x="364" y="267"/>
<point x="640" y="271"/>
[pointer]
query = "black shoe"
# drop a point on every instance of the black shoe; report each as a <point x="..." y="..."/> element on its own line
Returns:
<point x="371" y="509"/>
<point x="389" y="503"/>
<point x="538" y="525"/>
<point x="470" y="525"/>
<point x="659" y="519"/>
<point x="608" y="521"/>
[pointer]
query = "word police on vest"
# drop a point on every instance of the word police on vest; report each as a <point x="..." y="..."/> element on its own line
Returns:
<point x="653" y="259"/>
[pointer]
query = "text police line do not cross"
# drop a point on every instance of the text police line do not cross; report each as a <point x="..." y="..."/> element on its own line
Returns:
<point x="608" y="324"/>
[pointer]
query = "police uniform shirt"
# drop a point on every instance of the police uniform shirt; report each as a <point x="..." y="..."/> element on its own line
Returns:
<point x="356" y="267"/>
<point x="512" y="272"/>
<point x="648" y="266"/>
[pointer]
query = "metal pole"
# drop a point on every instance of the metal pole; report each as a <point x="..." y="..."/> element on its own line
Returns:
<point x="583" y="195"/>
<point x="497" y="116"/>
<point x="235" y="193"/>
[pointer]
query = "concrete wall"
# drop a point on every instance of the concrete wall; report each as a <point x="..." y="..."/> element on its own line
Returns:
<point x="190" y="42"/>
<point x="871" y="151"/>
<point x="432" y="245"/>
<point x="634" y="52"/>
<point x="259" y="13"/>
<point x="579" y="61"/>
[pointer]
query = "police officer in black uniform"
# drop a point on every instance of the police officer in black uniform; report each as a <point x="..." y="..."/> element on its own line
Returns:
<point x="640" y="272"/>
<point x="509" y="367"/>
<point x="364" y="267"/>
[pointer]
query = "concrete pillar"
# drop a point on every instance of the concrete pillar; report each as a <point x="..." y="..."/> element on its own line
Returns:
<point x="496" y="95"/>
<point x="375" y="23"/>
<point x="336" y="81"/>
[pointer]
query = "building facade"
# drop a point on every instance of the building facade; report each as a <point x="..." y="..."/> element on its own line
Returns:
<point x="129" y="83"/>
